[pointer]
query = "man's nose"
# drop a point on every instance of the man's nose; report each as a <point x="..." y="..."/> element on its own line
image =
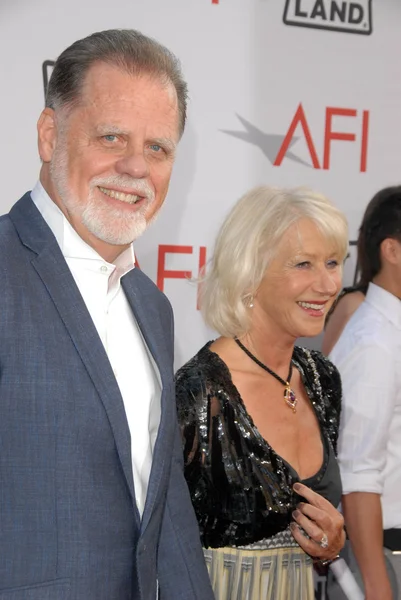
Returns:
<point x="134" y="164"/>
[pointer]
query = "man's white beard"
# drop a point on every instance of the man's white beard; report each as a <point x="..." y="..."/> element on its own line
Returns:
<point x="111" y="225"/>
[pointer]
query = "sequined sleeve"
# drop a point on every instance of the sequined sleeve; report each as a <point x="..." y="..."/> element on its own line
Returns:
<point x="209" y="432"/>
<point x="240" y="493"/>
<point x="330" y="382"/>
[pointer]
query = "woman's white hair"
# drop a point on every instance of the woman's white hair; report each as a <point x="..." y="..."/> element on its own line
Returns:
<point x="246" y="243"/>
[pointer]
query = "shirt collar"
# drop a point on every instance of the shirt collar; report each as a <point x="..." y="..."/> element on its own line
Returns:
<point x="385" y="303"/>
<point x="71" y="244"/>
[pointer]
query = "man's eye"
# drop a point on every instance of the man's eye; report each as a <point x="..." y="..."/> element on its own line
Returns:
<point x="110" y="137"/>
<point x="155" y="147"/>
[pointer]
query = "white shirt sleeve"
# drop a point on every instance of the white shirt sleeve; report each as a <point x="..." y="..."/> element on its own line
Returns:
<point x="369" y="392"/>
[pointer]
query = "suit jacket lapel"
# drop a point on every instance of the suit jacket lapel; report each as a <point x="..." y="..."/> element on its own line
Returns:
<point x="60" y="284"/>
<point x="149" y="321"/>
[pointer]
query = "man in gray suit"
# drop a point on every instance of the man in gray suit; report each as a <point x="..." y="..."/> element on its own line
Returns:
<point x="93" y="502"/>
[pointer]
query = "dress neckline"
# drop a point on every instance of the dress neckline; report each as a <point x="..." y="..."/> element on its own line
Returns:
<point x="319" y="473"/>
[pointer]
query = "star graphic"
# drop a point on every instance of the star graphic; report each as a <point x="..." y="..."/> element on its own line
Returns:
<point x="269" y="143"/>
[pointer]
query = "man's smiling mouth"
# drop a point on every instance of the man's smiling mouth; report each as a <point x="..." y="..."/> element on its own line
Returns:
<point x="123" y="197"/>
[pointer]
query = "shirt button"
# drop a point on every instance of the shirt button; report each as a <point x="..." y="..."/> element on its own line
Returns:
<point x="103" y="269"/>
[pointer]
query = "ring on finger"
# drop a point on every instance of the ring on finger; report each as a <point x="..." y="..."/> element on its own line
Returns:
<point x="324" y="542"/>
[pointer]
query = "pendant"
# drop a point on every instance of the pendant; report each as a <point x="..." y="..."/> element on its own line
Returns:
<point x="290" y="398"/>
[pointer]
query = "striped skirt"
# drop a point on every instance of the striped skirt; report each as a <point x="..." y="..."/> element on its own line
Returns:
<point x="251" y="573"/>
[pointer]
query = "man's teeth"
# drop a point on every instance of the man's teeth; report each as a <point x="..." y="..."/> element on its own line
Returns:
<point x="310" y="305"/>
<point x="130" y="198"/>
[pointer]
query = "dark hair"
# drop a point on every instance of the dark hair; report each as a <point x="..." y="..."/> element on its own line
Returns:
<point x="126" y="49"/>
<point x="382" y="220"/>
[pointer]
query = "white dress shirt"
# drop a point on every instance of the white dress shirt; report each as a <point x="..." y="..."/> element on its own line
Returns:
<point x="134" y="368"/>
<point x="368" y="356"/>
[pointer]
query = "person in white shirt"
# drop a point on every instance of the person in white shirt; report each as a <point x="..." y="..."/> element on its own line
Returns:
<point x="368" y="356"/>
<point x="93" y="500"/>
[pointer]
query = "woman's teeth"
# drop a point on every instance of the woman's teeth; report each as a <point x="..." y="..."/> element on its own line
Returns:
<point x="310" y="305"/>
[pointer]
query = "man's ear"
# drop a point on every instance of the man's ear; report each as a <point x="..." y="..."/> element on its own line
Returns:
<point x="47" y="134"/>
<point x="390" y="249"/>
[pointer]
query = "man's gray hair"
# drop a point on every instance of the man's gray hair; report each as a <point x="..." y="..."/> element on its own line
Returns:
<point x="128" y="50"/>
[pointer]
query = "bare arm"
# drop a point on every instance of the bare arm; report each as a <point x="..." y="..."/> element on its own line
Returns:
<point x="345" y="308"/>
<point x="363" y="519"/>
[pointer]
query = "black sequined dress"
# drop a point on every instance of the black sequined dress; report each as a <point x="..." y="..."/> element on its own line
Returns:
<point x="240" y="488"/>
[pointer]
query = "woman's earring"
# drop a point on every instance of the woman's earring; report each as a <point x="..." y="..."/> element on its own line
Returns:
<point x="248" y="300"/>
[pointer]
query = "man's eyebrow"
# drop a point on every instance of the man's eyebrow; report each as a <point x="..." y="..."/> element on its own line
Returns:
<point x="106" y="129"/>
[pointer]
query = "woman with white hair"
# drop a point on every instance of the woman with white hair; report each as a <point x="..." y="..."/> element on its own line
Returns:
<point x="259" y="415"/>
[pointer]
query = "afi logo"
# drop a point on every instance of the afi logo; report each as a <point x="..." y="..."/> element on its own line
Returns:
<point x="329" y="135"/>
<point x="337" y="15"/>
<point x="163" y="273"/>
<point x="276" y="147"/>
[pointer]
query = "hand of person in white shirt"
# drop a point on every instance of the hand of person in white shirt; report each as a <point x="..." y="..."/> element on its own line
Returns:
<point x="363" y="519"/>
<point x="320" y="520"/>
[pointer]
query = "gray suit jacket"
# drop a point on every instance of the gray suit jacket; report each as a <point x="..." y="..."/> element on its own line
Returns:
<point x="69" y="525"/>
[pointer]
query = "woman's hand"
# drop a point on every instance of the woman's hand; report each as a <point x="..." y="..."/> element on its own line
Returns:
<point x="323" y="523"/>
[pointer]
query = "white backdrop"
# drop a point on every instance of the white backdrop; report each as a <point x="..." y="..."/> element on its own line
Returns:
<point x="254" y="67"/>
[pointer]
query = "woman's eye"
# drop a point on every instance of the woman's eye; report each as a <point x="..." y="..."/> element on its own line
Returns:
<point x="332" y="264"/>
<point x="303" y="265"/>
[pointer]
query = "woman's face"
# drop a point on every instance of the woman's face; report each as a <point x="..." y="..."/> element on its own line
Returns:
<point x="300" y="284"/>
